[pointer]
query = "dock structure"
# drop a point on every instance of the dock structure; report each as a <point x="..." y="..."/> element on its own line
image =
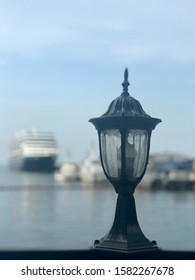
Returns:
<point x="169" y="172"/>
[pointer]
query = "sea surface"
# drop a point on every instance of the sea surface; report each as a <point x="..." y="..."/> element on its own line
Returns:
<point x="38" y="212"/>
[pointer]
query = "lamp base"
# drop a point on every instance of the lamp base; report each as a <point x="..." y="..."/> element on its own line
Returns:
<point x="125" y="235"/>
<point x="124" y="247"/>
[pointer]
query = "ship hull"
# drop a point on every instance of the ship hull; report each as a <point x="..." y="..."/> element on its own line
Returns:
<point x="34" y="164"/>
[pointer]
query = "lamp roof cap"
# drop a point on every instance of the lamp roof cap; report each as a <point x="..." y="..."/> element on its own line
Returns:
<point x="125" y="111"/>
<point x="125" y="105"/>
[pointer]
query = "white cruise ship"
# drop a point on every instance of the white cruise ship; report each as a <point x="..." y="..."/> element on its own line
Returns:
<point x="33" y="151"/>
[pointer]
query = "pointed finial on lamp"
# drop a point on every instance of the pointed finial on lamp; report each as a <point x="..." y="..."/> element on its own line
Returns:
<point x="126" y="83"/>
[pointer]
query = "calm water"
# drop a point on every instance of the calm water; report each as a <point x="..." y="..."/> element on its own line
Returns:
<point x="38" y="212"/>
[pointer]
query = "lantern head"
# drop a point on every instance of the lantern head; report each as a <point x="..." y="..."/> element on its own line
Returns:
<point x="124" y="140"/>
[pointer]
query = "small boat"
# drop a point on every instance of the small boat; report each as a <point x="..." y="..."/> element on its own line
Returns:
<point x="91" y="170"/>
<point x="68" y="172"/>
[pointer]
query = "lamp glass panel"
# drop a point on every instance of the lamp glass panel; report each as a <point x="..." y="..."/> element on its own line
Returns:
<point x="136" y="148"/>
<point x="111" y="152"/>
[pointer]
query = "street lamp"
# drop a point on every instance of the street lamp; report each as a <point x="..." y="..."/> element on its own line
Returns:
<point x="124" y="141"/>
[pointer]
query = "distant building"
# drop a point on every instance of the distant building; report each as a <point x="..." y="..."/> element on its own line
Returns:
<point x="172" y="171"/>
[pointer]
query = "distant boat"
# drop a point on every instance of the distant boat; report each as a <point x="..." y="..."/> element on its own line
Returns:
<point x="68" y="172"/>
<point x="91" y="170"/>
<point x="33" y="151"/>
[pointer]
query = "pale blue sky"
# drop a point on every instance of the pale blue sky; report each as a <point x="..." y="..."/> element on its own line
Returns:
<point x="62" y="62"/>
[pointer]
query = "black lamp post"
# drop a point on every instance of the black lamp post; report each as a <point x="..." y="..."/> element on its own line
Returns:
<point x="124" y="141"/>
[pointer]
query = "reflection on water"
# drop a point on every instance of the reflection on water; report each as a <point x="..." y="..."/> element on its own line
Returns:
<point x="10" y="178"/>
<point x="38" y="212"/>
<point x="168" y="217"/>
